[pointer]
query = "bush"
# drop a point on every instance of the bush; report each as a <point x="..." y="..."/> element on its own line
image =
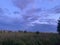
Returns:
<point x="37" y="32"/>
<point x="9" y="31"/>
<point x="20" y="31"/>
<point x="25" y="31"/>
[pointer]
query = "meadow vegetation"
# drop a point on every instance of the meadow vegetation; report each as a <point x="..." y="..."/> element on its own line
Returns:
<point x="29" y="38"/>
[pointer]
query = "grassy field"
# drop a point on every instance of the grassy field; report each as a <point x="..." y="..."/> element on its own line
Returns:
<point x="29" y="38"/>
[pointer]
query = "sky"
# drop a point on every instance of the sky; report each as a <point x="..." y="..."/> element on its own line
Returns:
<point x="29" y="14"/>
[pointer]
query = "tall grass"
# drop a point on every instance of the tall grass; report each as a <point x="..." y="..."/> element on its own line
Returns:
<point x="29" y="38"/>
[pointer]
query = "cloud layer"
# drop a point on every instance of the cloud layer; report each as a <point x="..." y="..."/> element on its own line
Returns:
<point x="25" y="15"/>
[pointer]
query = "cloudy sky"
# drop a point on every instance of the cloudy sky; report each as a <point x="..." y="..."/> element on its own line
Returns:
<point x="29" y="14"/>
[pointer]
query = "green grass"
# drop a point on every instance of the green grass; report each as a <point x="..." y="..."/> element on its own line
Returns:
<point x="29" y="38"/>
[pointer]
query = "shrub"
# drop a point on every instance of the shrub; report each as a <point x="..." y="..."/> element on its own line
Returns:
<point x="25" y="31"/>
<point x="20" y="31"/>
<point x="37" y="32"/>
<point x="9" y="31"/>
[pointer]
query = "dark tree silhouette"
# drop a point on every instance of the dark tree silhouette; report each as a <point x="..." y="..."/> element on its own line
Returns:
<point x="58" y="27"/>
<point x="25" y="31"/>
<point x="37" y="32"/>
<point x="20" y="31"/>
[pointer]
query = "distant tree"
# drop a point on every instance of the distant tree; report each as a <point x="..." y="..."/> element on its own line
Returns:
<point x="4" y="31"/>
<point x="37" y="32"/>
<point x="9" y="31"/>
<point x="25" y="31"/>
<point x="20" y="31"/>
<point x="58" y="27"/>
<point x="0" y="31"/>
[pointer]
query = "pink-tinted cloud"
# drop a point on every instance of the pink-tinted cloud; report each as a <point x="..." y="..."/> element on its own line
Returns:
<point x="22" y="3"/>
<point x="33" y="10"/>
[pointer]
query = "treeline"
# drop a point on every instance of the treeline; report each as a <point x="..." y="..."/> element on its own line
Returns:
<point x="8" y="31"/>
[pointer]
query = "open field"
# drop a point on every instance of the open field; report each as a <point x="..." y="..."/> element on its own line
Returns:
<point x="29" y="38"/>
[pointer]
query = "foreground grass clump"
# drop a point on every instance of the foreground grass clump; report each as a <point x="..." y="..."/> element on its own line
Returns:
<point x="29" y="38"/>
